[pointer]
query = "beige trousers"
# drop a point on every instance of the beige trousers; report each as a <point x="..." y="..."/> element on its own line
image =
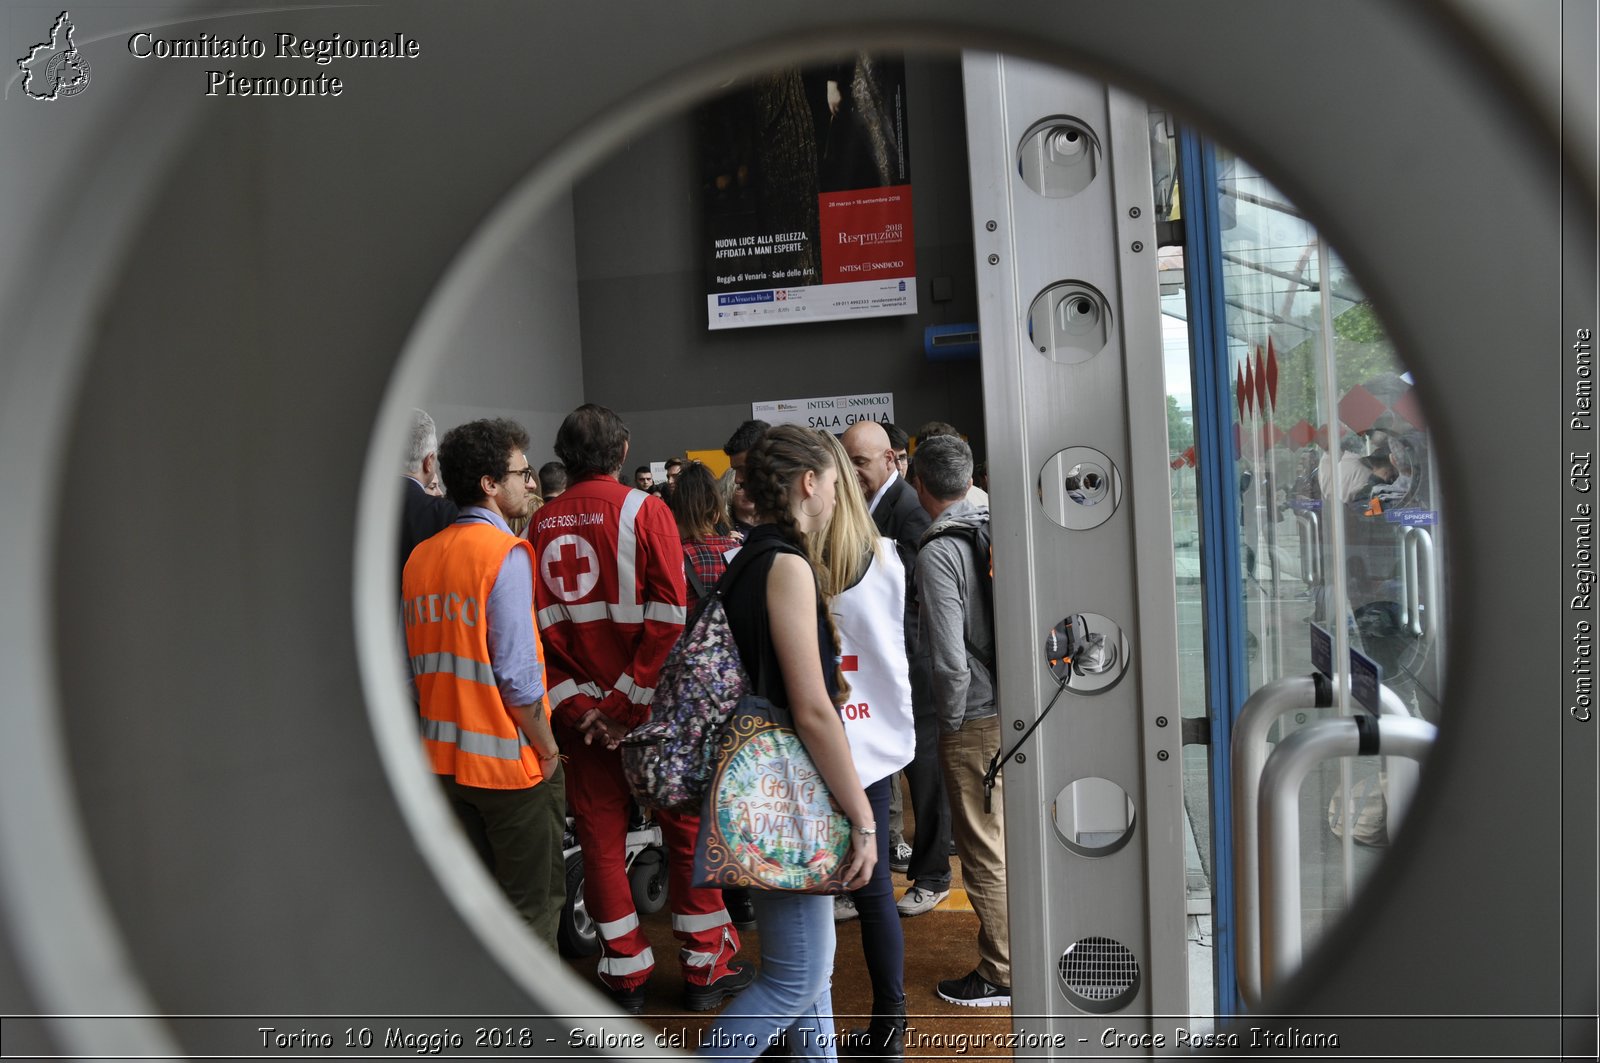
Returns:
<point x="980" y="839"/>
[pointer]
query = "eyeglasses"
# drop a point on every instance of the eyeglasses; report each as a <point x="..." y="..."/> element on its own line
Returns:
<point x="526" y="472"/>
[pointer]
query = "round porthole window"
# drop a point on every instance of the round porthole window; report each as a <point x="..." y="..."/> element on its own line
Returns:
<point x="1093" y="817"/>
<point x="1058" y="157"/>
<point x="1087" y="653"/>
<point x="1079" y="488"/>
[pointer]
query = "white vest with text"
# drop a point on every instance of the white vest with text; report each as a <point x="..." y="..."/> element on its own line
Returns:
<point x="871" y="620"/>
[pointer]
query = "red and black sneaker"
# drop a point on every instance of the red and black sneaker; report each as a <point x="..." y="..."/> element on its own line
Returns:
<point x="708" y="996"/>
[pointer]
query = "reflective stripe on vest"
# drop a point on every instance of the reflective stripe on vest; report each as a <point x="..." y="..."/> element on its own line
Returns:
<point x="450" y="664"/>
<point x="474" y="741"/>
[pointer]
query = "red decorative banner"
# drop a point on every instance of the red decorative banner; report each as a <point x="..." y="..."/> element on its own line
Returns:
<point x="1360" y="409"/>
<point x="1272" y="373"/>
<point x="1408" y="407"/>
<point x="1261" y="380"/>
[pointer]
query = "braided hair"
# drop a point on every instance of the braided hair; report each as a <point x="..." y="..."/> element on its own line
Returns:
<point x="772" y="467"/>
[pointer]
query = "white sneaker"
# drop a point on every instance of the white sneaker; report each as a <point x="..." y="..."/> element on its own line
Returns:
<point x="844" y="908"/>
<point x="918" y="900"/>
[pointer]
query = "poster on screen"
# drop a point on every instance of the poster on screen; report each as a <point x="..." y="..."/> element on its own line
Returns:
<point x="832" y="414"/>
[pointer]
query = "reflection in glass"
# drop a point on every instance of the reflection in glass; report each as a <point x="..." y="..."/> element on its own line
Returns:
<point x="1331" y="485"/>
<point x="1337" y="507"/>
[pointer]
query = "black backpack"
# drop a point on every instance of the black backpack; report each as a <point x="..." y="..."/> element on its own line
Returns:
<point x="980" y="540"/>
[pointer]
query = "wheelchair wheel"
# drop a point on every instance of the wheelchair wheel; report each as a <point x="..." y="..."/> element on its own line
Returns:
<point x="648" y="877"/>
<point x="577" y="935"/>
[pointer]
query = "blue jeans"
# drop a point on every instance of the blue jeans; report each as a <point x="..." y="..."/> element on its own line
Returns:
<point x="793" y="990"/>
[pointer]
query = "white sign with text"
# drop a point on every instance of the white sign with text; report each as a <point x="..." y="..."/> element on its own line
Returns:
<point x="833" y="414"/>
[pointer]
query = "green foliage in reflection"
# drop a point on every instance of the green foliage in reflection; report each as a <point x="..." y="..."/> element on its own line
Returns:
<point x="1359" y="325"/>
<point x="1180" y="427"/>
<point x="1362" y="355"/>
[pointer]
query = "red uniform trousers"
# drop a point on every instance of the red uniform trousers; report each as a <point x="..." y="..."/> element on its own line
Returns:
<point x="597" y="793"/>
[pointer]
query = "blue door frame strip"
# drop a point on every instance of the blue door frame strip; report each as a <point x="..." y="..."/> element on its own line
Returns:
<point x="1221" y="579"/>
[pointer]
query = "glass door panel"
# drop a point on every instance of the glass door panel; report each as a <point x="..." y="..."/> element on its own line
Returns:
<point x="1339" y="529"/>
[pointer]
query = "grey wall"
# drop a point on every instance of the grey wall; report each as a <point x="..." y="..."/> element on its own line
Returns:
<point x="647" y="352"/>
<point x="518" y="352"/>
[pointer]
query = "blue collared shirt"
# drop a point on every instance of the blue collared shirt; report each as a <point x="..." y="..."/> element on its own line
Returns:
<point x="510" y="612"/>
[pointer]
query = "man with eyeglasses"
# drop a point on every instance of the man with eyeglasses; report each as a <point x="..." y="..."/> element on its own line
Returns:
<point x="478" y="668"/>
<point x="900" y="443"/>
<point x="611" y="604"/>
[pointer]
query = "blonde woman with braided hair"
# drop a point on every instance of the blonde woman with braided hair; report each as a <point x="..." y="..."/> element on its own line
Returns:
<point x="864" y="581"/>
<point x="789" y="649"/>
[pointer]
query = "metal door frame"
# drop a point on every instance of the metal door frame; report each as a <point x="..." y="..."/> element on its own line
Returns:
<point x="1222" y="595"/>
<point x="1114" y="402"/>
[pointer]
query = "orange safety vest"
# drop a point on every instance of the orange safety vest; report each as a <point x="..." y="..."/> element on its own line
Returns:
<point x="445" y="594"/>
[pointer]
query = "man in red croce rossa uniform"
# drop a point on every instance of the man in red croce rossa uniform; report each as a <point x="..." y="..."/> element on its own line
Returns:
<point x="610" y="596"/>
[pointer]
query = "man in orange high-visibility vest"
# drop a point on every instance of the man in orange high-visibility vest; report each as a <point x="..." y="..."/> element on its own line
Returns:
<point x="467" y="596"/>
